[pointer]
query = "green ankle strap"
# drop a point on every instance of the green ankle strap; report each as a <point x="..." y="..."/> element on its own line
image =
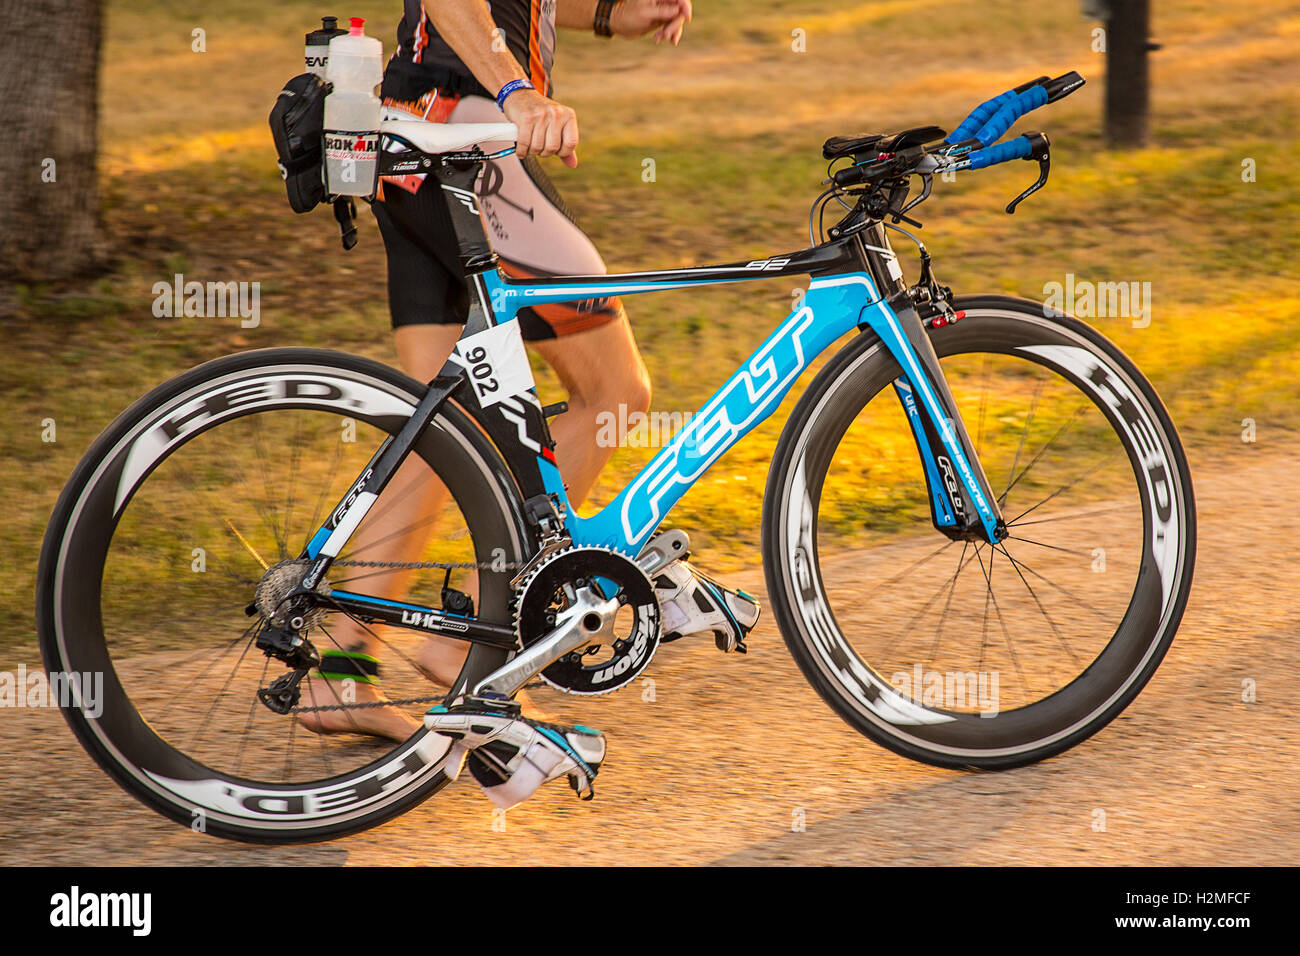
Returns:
<point x="349" y="665"/>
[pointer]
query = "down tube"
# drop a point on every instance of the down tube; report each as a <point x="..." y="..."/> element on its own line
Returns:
<point x="830" y="308"/>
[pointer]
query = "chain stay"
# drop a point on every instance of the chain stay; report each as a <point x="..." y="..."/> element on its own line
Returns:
<point x="434" y="565"/>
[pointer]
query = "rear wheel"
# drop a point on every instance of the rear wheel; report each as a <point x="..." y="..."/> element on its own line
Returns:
<point x="962" y="653"/>
<point x="158" y="543"/>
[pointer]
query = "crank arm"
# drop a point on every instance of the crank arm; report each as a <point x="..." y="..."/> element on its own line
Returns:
<point x="587" y="618"/>
<point x="662" y="550"/>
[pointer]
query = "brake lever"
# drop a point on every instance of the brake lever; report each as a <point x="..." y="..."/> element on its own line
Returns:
<point x="927" y="180"/>
<point x="1042" y="151"/>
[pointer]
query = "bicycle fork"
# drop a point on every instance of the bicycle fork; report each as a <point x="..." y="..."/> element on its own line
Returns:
<point x="962" y="503"/>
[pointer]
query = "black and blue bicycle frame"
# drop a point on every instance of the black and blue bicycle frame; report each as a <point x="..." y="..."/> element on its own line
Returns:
<point x="855" y="283"/>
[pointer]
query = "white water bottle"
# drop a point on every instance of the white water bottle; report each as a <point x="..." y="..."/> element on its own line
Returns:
<point x="354" y="70"/>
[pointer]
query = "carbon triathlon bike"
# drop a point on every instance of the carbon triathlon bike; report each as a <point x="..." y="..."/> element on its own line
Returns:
<point x="978" y="529"/>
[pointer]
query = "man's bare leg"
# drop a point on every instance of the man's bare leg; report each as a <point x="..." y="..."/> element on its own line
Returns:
<point x="600" y="369"/>
<point x="402" y="520"/>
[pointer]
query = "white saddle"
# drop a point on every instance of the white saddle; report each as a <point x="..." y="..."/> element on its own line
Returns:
<point x="450" y="137"/>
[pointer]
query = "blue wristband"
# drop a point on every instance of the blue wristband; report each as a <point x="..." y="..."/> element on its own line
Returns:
<point x="509" y="88"/>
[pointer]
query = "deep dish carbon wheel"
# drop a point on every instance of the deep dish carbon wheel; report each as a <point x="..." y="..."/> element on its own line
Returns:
<point x="158" y="544"/>
<point x="958" y="653"/>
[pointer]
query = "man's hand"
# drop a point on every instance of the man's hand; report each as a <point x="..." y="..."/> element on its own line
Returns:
<point x="546" y="128"/>
<point x="634" y="18"/>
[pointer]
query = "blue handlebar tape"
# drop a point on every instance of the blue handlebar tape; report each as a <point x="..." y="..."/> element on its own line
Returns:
<point x="981" y="115"/>
<point x="1018" y="148"/>
<point x="1011" y="111"/>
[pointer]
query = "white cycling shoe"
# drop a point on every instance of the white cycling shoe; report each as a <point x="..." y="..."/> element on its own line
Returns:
<point x="511" y="755"/>
<point x="690" y="602"/>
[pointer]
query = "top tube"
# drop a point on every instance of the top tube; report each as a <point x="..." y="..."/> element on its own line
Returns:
<point x="508" y="295"/>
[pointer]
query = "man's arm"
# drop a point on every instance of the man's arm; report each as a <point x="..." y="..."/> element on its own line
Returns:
<point x="630" y="18"/>
<point x="467" y="27"/>
<point x="546" y="128"/>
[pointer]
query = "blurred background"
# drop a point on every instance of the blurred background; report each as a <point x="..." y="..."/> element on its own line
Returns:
<point x="709" y="152"/>
<point x="1197" y="196"/>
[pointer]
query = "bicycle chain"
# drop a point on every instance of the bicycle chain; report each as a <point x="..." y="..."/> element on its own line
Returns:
<point x="435" y="565"/>
<point x="414" y="565"/>
<point x="368" y="704"/>
<point x="400" y="702"/>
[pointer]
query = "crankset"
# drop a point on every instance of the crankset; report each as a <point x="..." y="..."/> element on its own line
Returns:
<point x="610" y="658"/>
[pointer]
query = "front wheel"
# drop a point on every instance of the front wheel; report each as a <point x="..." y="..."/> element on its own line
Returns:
<point x="962" y="653"/>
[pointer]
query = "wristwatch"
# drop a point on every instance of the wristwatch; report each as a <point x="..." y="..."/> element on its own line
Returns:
<point x="604" y="8"/>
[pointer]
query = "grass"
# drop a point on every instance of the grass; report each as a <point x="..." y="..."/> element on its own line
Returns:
<point x="733" y="121"/>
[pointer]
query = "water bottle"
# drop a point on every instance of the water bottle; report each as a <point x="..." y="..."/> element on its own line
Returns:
<point x="354" y="70"/>
<point x="318" y="44"/>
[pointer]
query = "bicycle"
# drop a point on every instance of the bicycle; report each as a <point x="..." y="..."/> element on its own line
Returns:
<point x="1081" y="447"/>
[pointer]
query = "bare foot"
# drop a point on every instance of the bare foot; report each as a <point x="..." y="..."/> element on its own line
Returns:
<point x="387" y="722"/>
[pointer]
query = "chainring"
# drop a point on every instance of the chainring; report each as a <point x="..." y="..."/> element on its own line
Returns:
<point x="597" y="668"/>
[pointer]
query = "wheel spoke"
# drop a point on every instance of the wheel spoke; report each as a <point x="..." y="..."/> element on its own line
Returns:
<point x="1034" y="594"/>
<point x="252" y="714"/>
<point x="952" y="589"/>
<point x="1088" y="473"/>
<point x="1024" y="434"/>
<point x="934" y="596"/>
<point x="1070" y="517"/>
<point x="1054" y="547"/>
<point x="1065" y="427"/>
<point x="1006" y="635"/>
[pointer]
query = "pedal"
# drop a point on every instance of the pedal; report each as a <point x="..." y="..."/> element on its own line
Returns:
<point x="744" y="610"/>
<point x="662" y="550"/>
<point x="587" y="795"/>
<point x="510" y="756"/>
<point x="455" y="720"/>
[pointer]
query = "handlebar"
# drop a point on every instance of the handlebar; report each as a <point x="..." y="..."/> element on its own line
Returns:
<point x="885" y="165"/>
<point x="1001" y="121"/>
<point x="992" y="118"/>
<point x="849" y="176"/>
<point x="1018" y="148"/>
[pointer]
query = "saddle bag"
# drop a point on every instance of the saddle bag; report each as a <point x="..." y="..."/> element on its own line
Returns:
<point x="298" y="128"/>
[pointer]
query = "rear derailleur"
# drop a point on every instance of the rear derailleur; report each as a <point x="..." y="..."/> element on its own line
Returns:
<point x="287" y="612"/>
<point x="293" y="649"/>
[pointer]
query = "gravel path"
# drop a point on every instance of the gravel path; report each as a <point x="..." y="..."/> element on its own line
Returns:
<point x="734" y="750"/>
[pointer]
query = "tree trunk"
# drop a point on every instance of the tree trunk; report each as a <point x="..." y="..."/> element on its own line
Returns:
<point x="1127" y="77"/>
<point x="49" y="86"/>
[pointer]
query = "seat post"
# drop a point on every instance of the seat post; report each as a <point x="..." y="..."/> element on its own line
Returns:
<point x="457" y="183"/>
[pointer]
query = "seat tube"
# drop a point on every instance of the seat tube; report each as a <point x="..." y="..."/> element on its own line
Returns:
<point x="456" y="182"/>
